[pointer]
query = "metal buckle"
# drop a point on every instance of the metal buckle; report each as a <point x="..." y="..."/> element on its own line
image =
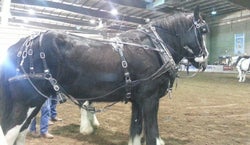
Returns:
<point x="42" y="55"/>
<point x="124" y="64"/>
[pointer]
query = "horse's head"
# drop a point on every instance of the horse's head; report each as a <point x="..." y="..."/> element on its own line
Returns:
<point x="184" y="34"/>
<point x="194" y="44"/>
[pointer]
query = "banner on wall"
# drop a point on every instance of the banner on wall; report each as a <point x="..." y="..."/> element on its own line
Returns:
<point x="239" y="44"/>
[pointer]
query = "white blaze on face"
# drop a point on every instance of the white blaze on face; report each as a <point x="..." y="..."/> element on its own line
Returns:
<point x="2" y="137"/>
<point x="13" y="133"/>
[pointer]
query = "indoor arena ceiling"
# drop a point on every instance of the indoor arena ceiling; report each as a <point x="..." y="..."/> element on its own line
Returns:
<point x="94" y="16"/>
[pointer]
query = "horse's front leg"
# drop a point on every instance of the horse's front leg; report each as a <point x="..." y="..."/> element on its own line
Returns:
<point x="14" y="135"/>
<point x="21" y="137"/>
<point x="244" y="76"/>
<point x="88" y="121"/>
<point x="150" y="110"/>
<point x="136" y="125"/>
<point x="239" y="73"/>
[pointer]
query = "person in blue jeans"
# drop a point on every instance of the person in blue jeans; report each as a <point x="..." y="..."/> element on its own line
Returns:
<point x="44" y="122"/>
<point x="53" y="112"/>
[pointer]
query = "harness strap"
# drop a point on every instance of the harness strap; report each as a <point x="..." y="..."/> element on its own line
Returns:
<point x="48" y="75"/>
<point x="43" y="56"/>
<point x="165" y="55"/>
<point x="118" y="46"/>
<point x="28" y="50"/>
<point x="30" y="54"/>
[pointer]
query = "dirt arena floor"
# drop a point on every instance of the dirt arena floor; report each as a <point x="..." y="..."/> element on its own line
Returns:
<point x="209" y="109"/>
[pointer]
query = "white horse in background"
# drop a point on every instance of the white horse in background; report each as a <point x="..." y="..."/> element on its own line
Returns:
<point x="242" y="64"/>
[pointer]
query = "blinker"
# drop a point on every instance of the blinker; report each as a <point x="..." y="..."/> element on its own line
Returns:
<point x="203" y="28"/>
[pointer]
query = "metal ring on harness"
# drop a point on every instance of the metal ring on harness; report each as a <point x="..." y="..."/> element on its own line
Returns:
<point x="30" y="52"/>
<point x="127" y="77"/>
<point x="19" y="54"/>
<point x="146" y="47"/>
<point x="24" y="55"/>
<point x="56" y="87"/>
<point x="47" y="76"/>
<point x="42" y="55"/>
<point x="124" y="64"/>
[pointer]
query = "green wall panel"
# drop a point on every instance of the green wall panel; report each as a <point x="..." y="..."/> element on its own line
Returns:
<point x="221" y="39"/>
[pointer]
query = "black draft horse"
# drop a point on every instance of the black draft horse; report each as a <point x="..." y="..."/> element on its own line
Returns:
<point x="138" y="67"/>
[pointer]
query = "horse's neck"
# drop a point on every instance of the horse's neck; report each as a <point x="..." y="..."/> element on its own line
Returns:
<point x="172" y="43"/>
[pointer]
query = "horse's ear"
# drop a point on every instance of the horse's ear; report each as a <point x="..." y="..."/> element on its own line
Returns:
<point x="197" y="13"/>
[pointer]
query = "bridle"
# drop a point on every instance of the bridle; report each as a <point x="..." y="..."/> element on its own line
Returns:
<point x="200" y="27"/>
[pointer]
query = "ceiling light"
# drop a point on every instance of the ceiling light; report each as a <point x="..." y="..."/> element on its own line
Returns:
<point x="147" y="20"/>
<point x="92" y="21"/>
<point x="32" y="12"/>
<point x="114" y="12"/>
<point x="26" y="21"/>
<point x="100" y="25"/>
<point x="78" y="27"/>
<point x="213" y="12"/>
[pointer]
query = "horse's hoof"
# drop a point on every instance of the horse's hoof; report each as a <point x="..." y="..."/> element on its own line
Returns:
<point x="86" y="131"/>
<point x="159" y="141"/>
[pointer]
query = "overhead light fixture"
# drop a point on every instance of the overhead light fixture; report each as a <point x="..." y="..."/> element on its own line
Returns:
<point x="92" y="21"/>
<point x="213" y="12"/>
<point x="32" y="12"/>
<point x="114" y="12"/>
<point x="78" y="27"/>
<point x="147" y="20"/>
<point x="100" y="24"/>
<point x="26" y="21"/>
